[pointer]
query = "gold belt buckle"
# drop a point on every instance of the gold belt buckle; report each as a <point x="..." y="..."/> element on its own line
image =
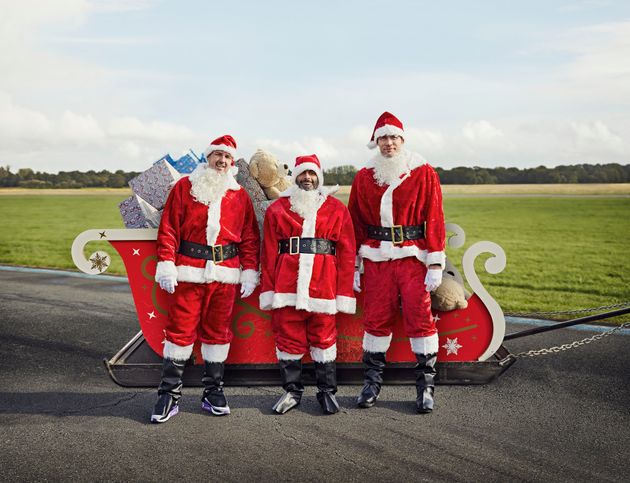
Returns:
<point x="402" y="236"/>
<point x="297" y="245"/>
<point x="220" y="258"/>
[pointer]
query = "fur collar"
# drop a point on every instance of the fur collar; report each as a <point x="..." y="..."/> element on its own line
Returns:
<point x="207" y="185"/>
<point x="388" y="170"/>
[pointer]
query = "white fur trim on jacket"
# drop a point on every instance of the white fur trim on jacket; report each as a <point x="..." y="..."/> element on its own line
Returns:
<point x="165" y="268"/>
<point x="212" y="273"/>
<point x="425" y="345"/>
<point x="324" y="355"/>
<point x="285" y="356"/>
<point x="274" y="300"/>
<point x="250" y="275"/>
<point x="347" y="305"/>
<point x="215" y="352"/>
<point x="176" y="352"/>
<point x="389" y="251"/>
<point x="373" y="343"/>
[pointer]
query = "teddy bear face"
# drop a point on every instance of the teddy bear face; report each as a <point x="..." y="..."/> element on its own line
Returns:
<point x="266" y="169"/>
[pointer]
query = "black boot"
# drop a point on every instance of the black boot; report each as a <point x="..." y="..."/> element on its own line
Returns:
<point x="326" y="378"/>
<point x="169" y="391"/>
<point x="374" y="363"/>
<point x="213" y="399"/>
<point x="425" y="382"/>
<point x="291" y="372"/>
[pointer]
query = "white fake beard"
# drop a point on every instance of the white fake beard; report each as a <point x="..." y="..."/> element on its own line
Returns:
<point x="208" y="185"/>
<point x="388" y="170"/>
<point x="304" y="202"/>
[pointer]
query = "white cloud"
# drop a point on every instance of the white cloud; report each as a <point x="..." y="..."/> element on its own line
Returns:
<point x="481" y="132"/>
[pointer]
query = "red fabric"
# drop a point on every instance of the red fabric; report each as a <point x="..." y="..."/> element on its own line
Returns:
<point x="297" y="330"/>
<point x="201" y="311"/>
<point x="387" y="119"/>
<point x="416" y="201"/>
<point x="332" y="275"/>
<point x="310" y="159"/>
<point x="225" y="140"/>
<point x="388" y="285"/>
<point x="184" y="218"/>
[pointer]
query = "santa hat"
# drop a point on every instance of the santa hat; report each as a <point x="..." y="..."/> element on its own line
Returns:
<point x="304" y="163"/>
<point x="224" y="143"/>
<point x="386" y="125"/>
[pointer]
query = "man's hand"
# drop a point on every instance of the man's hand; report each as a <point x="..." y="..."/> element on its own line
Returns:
<point x="433" y="279"/>
<point x="356" y="285"/>
<point x="247" y="288"/>
<point x="168" y="283"/>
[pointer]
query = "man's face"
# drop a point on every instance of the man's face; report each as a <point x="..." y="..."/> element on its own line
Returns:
<point x="390" y="146"/>
<point x="220" y="161"/>
<point x="307" y="180"/>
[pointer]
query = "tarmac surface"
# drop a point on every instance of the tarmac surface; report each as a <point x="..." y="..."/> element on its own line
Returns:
<point x="559" y="417"/>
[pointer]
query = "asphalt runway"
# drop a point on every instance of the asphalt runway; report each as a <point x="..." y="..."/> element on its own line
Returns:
<point x="561" y="417"/>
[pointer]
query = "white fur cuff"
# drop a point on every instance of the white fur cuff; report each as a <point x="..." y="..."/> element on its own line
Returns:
<point x="176" y="352"/>
<point x="250" y="276"/>
<point x="324" y="355"/>
<point x="347" y="305"/>
<point x="215" y="352"/>
<point x="373" y="343"/>
<point x="285" y="356"/>
<point x="265" y="300"/>
<point x="437" y="258"/>
<point x="165" y="269"/>
<point x="425" y="345"/>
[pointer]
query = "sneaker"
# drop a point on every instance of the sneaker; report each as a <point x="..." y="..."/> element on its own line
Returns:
<point x="165" y="408"/>
<point x="215" y="403"/>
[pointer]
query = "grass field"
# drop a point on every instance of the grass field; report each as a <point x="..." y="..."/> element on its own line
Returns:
<point x="563" y="253"/>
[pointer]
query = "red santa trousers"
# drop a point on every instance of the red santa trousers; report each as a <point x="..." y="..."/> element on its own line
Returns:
<point x="296" y="330"/>
<point x="390" y="284"/>
<point x="201" y="311"/>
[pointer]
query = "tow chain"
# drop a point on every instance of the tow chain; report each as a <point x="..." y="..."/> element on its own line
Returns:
<point x="572" y="345"/>
<point x="567" y="312"/>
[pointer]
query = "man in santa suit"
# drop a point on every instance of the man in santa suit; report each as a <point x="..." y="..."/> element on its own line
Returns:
<point x="207" y="243"/>
<point x="396" y="208"/>
<point x="307" y="266"/>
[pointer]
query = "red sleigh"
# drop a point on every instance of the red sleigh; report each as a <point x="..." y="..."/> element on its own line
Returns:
<point x="470" y="339"/>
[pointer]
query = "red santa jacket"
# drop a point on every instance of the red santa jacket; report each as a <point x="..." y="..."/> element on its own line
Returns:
<point x="313" y="282"/>
<point x="413" y="199"/>
<point x="228" y="220"/>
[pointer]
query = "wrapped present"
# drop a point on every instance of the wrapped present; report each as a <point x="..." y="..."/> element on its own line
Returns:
<point x="253" y="188"/>
<point x="186" y="164"/>
<point x="154" y="184"/>
<point x="132" y="213"/>
<point x="167" y="158"/>
<point x="151" y="214"/>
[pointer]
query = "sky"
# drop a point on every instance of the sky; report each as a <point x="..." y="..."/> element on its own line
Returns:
<point x="117" y="84"/>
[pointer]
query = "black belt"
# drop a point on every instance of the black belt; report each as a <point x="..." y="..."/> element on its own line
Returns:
<point x="216" y="253"/>
<point x="295" y="244"/>
<point x="396" y="234"/>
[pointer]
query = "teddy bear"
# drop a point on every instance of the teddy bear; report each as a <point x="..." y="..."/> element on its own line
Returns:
<point x="270" y="174"/>
<point x="450" y="295"/>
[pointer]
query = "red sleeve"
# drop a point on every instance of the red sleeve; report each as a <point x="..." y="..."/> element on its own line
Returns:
<point x="169" y="231"/>
<point x="346" y="251"/>
<point x="249" y="247"/>
<point x="435" y="231"/>
<point x="268" y="259"/>
<point x="360" y="228"/>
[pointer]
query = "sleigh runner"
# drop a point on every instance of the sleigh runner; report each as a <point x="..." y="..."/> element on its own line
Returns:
<point x="470" y="350"/>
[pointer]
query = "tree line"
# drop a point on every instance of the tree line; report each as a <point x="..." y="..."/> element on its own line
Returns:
<point x="344" y="175"/>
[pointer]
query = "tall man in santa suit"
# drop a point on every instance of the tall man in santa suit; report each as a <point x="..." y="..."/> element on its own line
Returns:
<point x="207" y="243"/>
<point x="396" y="208"/>
<point x="307" y="267"/>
